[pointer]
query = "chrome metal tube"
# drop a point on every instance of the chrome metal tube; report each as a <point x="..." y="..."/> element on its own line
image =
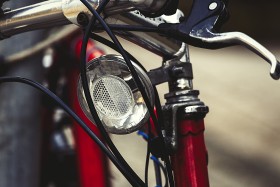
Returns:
<point x="154" y="42"/>
<point x="59" y="12"/>
<point x="37" y="16"/>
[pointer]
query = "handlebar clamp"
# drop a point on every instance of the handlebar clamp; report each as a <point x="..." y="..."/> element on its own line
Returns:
<point x="205" y="18"/>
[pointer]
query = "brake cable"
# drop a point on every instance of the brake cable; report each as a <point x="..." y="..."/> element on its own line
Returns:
<point x="132" y="177"/>
<point x="73" y="115"/>
<point x="138" y="82"/>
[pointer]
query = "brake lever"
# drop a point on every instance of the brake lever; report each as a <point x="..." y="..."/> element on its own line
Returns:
<point x="200" y="30"/>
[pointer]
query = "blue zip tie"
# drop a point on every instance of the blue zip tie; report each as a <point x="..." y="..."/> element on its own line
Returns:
<point x="155" y="159"/>
<point x="143" y="134"/>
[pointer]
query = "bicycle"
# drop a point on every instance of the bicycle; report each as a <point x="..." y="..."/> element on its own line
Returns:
<point x="198" y="30"/>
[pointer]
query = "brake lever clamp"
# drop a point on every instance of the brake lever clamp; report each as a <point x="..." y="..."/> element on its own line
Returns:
<point x="205" y="17"/>
<point x="201" y="26"/>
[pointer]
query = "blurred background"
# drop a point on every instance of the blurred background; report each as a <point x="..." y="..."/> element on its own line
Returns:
<point x="242" y="127"/>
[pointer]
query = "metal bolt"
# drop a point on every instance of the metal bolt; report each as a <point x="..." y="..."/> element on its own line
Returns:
<point x="183" y="83"/>
<point x="181" y="19"/>
<point x="82" y="19"/>
<point x="213" y="6"/>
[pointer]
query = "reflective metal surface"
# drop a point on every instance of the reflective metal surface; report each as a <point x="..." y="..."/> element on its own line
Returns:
<point x="154" y="42"/>
<point x="151" y="6"/>
<point x="37" y="16"/>
<point x="50" y="13"/>
<point x="245" y="40"/>
<point x="56" y="12"/>
<point x="72" y="8"/>
<point x="116" y="97"/>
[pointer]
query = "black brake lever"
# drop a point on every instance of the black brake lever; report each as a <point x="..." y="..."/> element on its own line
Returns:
<point x="205" y="18"/>
<point x="200" y="29"/>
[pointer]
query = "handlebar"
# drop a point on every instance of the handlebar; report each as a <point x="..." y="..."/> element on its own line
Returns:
<point x="199" y="29"/>
<point x="37" y="16"/>
<point x="56" y="13"/>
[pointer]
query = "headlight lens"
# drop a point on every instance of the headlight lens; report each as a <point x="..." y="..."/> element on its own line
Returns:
<point x="117" y="100"/>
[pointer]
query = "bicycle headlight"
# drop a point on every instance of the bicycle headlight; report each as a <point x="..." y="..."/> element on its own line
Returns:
<point x="116" y="97"/>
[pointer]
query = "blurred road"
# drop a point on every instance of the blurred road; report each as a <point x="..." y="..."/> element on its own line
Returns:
<point x="242" y="128"/>
<point x="243" y="123"/>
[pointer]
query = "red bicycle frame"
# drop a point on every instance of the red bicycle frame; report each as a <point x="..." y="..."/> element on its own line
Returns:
<point x="92" y="163"/>
<point x="190" y="161"/>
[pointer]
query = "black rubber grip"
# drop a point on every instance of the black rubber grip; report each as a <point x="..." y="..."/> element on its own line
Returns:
<point x="276" y="74"/>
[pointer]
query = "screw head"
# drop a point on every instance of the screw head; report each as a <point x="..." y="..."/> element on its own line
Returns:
<point x="82" y="19"/>
<point x="213" y="6"/>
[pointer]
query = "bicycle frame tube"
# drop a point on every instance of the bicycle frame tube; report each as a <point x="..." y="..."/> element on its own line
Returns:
<point x="189" y="155"/>
<point x="184" y="128"/>
<point x="37" y="16"/>
<point x="190" y="161"/>
<point x="92" y="163"/>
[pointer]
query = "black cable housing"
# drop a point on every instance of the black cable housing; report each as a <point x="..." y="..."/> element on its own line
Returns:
<point x="73" y="115"/>
<point x="148" y="152"/>
<point x="110" y="44"/>
<point x="132" y="28"/>
<point x="139" y="84"/>
<point x="131" y="176"/>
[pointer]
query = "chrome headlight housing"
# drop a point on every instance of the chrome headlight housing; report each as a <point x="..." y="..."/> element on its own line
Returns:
<point x="116" y="97"/>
